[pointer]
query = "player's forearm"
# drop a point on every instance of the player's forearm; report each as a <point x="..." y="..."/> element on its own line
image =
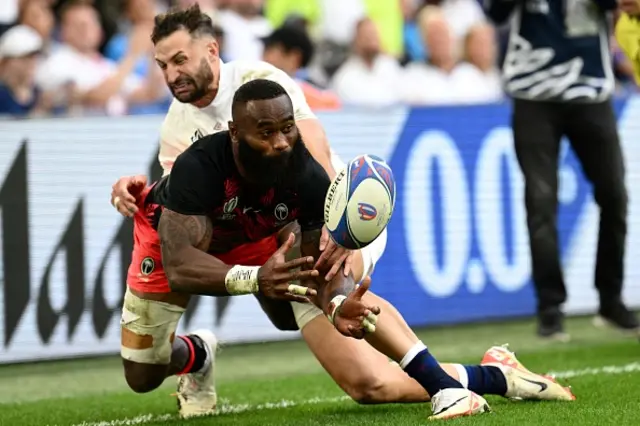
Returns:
<point x="339" y="287"/>
<point x="190" y="270"/>
<point x="316" y="142"/>
<point x="184" y="240"/>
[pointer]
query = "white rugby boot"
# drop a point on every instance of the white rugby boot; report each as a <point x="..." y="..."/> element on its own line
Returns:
<point x="521" y="382"/>
<point x="196" y="391"/>
<point x="457" y="402"/>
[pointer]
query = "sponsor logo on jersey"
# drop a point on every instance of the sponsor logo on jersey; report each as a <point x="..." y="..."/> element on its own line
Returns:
<point x="147" y="266"/>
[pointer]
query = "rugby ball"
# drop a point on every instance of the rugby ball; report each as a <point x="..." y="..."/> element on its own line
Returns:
<point x="359" y="202"/>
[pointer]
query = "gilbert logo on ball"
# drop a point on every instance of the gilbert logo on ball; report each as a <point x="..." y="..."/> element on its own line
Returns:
<point x="360" y="201"/>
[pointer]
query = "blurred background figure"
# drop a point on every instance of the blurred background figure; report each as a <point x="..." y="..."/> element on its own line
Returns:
<point x="451" y="73"/>
<point x="244" y="26"/>
<point x="19" y="50"/>
<point x="290" y="49"/>
<point x="38" y="15"/>
<point x="91" y="83"/>
<point x="368" y="77"/>
<point x="562" y="83"/>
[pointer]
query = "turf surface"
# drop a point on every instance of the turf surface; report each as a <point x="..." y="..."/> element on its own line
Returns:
<point x="282" y="384"/>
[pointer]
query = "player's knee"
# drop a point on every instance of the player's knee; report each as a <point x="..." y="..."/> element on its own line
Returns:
<point x="367" y="389"/>
<point x="279" y="312"/>
<point x="143" y="378"/>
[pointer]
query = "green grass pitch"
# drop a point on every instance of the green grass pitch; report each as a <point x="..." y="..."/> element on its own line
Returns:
<point x="282" y="384"/>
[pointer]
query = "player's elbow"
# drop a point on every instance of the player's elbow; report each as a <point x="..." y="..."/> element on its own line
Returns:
<point x="175" y="277"/>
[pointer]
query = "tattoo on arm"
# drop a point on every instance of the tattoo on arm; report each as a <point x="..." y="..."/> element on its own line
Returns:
<point x="176" y="230"/>
<point x="184" y="241"/>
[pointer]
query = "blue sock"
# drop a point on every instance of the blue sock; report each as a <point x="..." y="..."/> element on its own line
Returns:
<point x="423" y="367"/>
<point x="485" y="380"/>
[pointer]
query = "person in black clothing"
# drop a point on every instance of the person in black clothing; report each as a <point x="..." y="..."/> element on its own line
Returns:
<point x="558" y="70"/>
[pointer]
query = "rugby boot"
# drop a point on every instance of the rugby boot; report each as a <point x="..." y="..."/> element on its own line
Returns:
<point x="521" y="382"/>
<point x="457" y="402"/>
<point x="196" y="391"/>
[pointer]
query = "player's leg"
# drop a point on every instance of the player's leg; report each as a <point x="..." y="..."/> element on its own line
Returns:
<point x="151" y="351"/>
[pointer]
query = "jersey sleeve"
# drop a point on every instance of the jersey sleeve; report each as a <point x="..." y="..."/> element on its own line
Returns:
<point x="189" y="190"/>
<point x="311" y="192"/>
<point x="171" y="144"/>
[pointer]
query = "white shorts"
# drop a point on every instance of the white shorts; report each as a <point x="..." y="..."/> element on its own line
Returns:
<point x="305" y="312"/>
<point x="148" y="328"/>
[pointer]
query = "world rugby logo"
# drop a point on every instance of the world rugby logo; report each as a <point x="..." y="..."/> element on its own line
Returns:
<point x="367" y="211"/>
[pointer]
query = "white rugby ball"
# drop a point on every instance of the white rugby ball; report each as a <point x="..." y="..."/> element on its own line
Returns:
<point x="360" y="201"/>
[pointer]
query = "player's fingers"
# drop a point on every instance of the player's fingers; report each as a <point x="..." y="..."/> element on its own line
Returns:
<point x="324" y="238"/>
<point x="140" y="180"/>
<point x="127" y="208"/>
<point x="287" y="244"/>
<point x="371" y="317"/>
<point x="299" y="299"/>
<point x="362" y="288"/>
<point x="336" y="267"/>
<point x="300" y="275"/>
<point x="301" y="290"/>
<point x="347" y="264"/>
<point x="368" y="327"/>
<point x="375" y="310"/>
<point x="296" y="263"/>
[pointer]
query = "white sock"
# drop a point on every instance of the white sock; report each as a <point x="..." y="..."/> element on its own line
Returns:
<point x="463" y="376"/>
<point x="411" y="354"/>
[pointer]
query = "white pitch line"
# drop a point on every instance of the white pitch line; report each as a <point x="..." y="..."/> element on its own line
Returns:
<point x="227" y="408"/>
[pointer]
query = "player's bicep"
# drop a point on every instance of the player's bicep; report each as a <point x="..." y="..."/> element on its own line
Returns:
<point x="178" y="232"/>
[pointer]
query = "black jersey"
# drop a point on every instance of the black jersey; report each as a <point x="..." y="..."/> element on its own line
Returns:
<point x="205" y="181"/>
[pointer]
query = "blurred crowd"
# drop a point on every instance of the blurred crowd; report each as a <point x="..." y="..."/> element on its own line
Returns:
<point x="87" y="57"/>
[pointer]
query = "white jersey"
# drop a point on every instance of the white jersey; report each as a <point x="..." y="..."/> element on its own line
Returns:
<point x="185" y="123"/>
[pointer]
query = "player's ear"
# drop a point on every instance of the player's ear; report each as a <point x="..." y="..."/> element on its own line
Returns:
<point x="213" y="49"/>
<point x="233" y="131"/>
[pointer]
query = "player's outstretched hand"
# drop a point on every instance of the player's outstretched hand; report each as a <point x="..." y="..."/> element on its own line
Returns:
<point x="333" y="255"/>
<point x="276" y="275"/>
<point x="354" y="318"/>
<point x="124" y="191"/>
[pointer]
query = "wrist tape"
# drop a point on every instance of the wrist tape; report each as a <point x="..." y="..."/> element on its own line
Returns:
<point x="334" y="305"/>
<point x="242" y="280"/>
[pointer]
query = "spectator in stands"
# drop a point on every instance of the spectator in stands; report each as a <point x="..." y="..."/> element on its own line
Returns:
<point x="291" y="49"/>
<point x="38" y="15"/>
<point x="462" y="17"/>
<point x="134" y="13"/>
<point x="19" y="48"/>
<point x="8" y="14"/>
<point x="369" y="77"/>
<point x="243" y="27"/>
<point x="443" y="79"/>
<point x="90" y="82"/>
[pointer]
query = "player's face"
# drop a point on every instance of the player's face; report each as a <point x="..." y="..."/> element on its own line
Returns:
<point x="188" y="65"/>
<point x="268" y="142"/>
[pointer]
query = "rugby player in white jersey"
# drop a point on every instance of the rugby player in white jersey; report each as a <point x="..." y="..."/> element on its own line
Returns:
<point x="203" y="87"/>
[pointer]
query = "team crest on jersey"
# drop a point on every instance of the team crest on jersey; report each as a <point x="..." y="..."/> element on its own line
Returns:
<point x="197" y="135"/>
<point x="228" y="208"/>
<point x="281" y="212"/>
<point x="147" y="266"/>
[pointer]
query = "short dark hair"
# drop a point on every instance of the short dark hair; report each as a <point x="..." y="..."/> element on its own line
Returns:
<point x="292" y="38"/>
<point x="257" y="90"/>
<point x="191" y="20"/>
